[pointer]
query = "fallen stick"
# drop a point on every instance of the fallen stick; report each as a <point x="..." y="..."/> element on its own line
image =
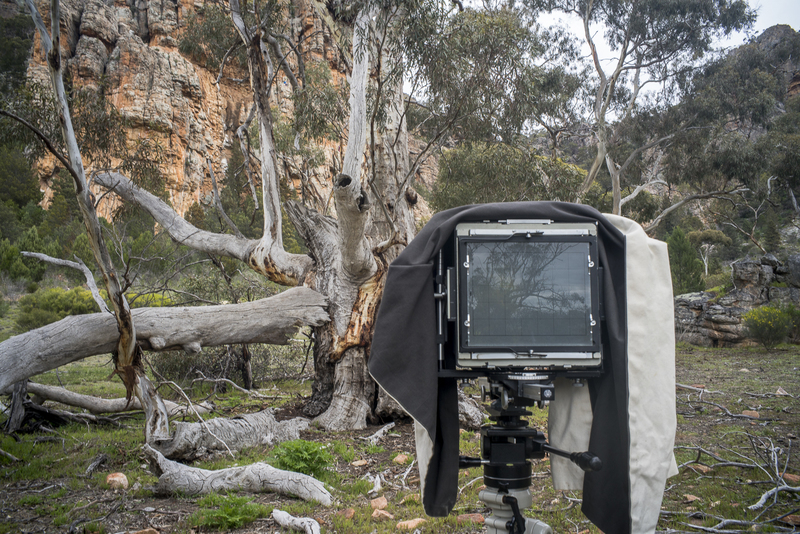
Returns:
<point x="774" y="491"/>
<point x="377" y="436"/>
<point x="193" y="440"/>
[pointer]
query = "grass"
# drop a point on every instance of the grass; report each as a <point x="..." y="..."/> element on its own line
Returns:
<point x="50" y="481"/>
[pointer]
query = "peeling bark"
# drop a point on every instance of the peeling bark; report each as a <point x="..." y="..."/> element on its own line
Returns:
<point x="470" y="414"/>
<point x="256" y="478"/>
<point x="195" y="440"/>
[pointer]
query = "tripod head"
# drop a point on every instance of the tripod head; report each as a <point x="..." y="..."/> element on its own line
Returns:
<point x="507" y="446"/>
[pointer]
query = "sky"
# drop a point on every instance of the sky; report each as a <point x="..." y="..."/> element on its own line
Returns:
<point x="770" y="13"/>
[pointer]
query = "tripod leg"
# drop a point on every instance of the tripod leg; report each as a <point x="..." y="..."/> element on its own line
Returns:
<point x="506" y="513"/>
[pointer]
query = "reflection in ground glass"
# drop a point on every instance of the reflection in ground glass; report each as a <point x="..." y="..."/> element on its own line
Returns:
<point x="526" y="294"/>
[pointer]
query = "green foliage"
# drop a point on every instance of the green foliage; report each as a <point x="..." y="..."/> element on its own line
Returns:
<point x="347" y="453"/>
<point x="719" y="282"/>
<point x="794" y="316"/>
<point x="768" y="325"/>
<point x="227" y="512"/>
<point x="16" y="34"/>
<point x="686" y="267"/>
<point x="50" y="305"/>
<point x="302" y="456"/>
<point x="17" y="181"/>
<point x="480" y="173"/>
<point x="485" y="74"/>
<point x="771" y="233"/>
<point x="319" y="106"/>
<point x="209" y="35"/>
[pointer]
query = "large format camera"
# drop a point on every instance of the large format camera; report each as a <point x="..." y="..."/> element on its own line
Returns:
<point x="518" y="304"/>
<point x="531" y="299"/>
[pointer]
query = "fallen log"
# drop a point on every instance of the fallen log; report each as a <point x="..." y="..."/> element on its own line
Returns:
<point x="271" y="320"/>
<point x="195" y="440"/>
<point x="174" y="477"/>
<point x="97" y="405"/>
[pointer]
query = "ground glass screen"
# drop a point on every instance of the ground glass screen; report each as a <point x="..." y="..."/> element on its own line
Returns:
<point x="526" y="294"/>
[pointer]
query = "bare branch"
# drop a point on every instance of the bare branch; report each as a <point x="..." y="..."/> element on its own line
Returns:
<point x="80" y="266"/>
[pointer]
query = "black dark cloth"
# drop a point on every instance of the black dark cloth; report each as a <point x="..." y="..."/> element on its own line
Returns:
<point x="404" y="359"/>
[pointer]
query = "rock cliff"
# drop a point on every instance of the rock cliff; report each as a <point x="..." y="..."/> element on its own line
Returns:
<point x="132" y="47"/>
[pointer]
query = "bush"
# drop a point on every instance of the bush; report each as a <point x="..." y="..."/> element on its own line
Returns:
<point x="719" y="280"/>
<point x="767" y="325"/>
<point x="302" y="456"/>
<point x="794" y="315"/>
<point x="48" y="306"/>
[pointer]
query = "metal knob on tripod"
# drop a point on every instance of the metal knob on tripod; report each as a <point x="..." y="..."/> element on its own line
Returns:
<point x="507" y="446"/>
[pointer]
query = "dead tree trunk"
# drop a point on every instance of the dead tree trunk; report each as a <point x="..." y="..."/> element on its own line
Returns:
<point x="272" y="320"/>
<point x="195" y="440"/>
<point x="259" y="477"/>
<point x="127" y="353"/>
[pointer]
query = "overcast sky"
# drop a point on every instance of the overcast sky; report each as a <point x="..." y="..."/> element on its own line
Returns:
<point x="770" y="13"/>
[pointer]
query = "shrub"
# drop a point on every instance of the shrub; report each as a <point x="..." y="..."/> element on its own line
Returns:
<point x="302" y="456"/>
<point x="794" y="315"/>
<point x="51" y="305"/>
<point x="720" y="281"/>
<point x="767" y="325"/>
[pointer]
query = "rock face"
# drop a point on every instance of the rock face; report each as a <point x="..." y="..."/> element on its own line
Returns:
<point x="131" y="46"/>
<point x="713" y="320"/>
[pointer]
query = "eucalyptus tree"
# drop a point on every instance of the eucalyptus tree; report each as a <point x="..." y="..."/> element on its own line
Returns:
<point x="655" y="43"/>
<point x="742" y="133"/>
<point x="127" y="352"/>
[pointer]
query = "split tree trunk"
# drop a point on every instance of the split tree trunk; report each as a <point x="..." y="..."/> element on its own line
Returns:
<point x="127" y="353"/>
<point x="271" y="320"/>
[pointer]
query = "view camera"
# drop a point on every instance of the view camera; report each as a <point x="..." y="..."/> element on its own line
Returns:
<point x="518" y="303"/>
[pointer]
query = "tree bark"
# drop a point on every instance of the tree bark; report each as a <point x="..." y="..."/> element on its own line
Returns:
<point x="272" y="320"/>
<point x="300" y="524"/>
<point x="256" y="478"/>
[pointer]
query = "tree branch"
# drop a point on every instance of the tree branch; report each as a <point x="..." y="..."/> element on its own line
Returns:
<point x="80" y="266"/>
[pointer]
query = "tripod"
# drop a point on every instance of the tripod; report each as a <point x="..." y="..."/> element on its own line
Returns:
<point x="507" y="445"/>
